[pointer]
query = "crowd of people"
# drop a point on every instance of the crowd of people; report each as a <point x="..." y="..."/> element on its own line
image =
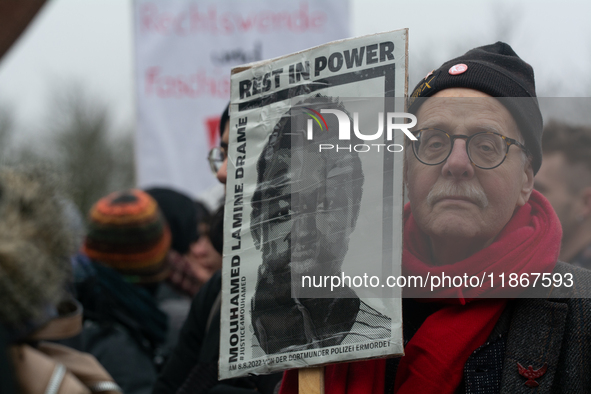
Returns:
<point x="131" y="301"/>
<point x="96" y="308"/>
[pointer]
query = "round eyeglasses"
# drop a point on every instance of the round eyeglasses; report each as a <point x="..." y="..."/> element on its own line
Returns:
<point x="216" y="158"/>
<point x="486" y="149"/>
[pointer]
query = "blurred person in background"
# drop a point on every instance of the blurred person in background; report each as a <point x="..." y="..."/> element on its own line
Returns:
<point x="118" y="275"/>
<point x="36" y="240"/>
<point x="205" y="260"/>
<point x="175" y="293"/>
<point x="565" y="180"/>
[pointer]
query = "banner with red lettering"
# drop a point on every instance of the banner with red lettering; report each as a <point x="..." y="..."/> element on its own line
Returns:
<point x="184" y="51"/>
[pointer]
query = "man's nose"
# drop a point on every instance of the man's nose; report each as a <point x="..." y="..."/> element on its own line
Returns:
<point x="458" y="164"/>
<point x="223" y="172"/>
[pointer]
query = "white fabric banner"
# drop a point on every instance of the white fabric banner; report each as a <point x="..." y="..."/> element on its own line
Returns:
<point x="184" y="51"/>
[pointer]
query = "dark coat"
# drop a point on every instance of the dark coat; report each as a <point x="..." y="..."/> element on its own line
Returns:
<point x="555" y="330"/>
<point x="129" y="362"/>
<point x="193" y="364"/>
<point x="7" y="384"/>
<point x="198" y="344"/>
<point x="123" y="327"/>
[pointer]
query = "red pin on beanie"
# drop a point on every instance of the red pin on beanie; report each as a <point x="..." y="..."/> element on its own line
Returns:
<point x="458" y="69"/>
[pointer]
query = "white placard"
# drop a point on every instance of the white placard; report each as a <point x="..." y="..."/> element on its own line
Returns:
<point x="309" y="195"/>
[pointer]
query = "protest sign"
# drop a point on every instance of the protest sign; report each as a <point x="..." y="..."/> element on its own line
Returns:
<point x="313" y="212"/>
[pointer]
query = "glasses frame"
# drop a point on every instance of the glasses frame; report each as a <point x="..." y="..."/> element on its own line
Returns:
<point x="214" y="162"/>
<point x="508" y="142"/>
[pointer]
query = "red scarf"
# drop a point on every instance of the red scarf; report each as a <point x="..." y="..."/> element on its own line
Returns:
<point x="435" y="356"/>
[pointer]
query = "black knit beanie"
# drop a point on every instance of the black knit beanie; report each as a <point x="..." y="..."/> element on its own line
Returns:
<point x="224" y="119"/>
<point x="499" y="72"/>
<point x="181" y="215"/>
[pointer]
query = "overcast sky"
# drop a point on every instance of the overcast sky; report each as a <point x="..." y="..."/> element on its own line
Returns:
<point x="89" y="42"/>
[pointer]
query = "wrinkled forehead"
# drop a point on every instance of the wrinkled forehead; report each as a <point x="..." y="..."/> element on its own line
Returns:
<point x="467" y="115"/>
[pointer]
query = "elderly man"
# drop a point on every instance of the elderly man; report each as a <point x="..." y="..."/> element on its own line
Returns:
<point x="473" y="211"/>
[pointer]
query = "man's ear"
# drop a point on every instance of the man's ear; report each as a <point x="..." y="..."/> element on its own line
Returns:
<point x="527" y="184"/>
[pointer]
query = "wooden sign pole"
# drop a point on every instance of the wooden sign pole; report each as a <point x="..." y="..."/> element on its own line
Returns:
<point x="311" y="380"/>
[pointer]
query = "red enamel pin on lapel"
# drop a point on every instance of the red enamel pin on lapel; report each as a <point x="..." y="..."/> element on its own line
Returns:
<point x="531" y="374"/>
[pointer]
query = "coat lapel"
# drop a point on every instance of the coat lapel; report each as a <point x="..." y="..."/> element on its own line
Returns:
<point x="535" y="338"/>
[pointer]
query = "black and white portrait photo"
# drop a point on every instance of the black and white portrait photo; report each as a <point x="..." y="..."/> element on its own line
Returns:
<point x="304" y="210"/>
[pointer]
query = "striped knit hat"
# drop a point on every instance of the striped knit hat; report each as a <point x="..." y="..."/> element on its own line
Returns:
<point x="128" y="233"/>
